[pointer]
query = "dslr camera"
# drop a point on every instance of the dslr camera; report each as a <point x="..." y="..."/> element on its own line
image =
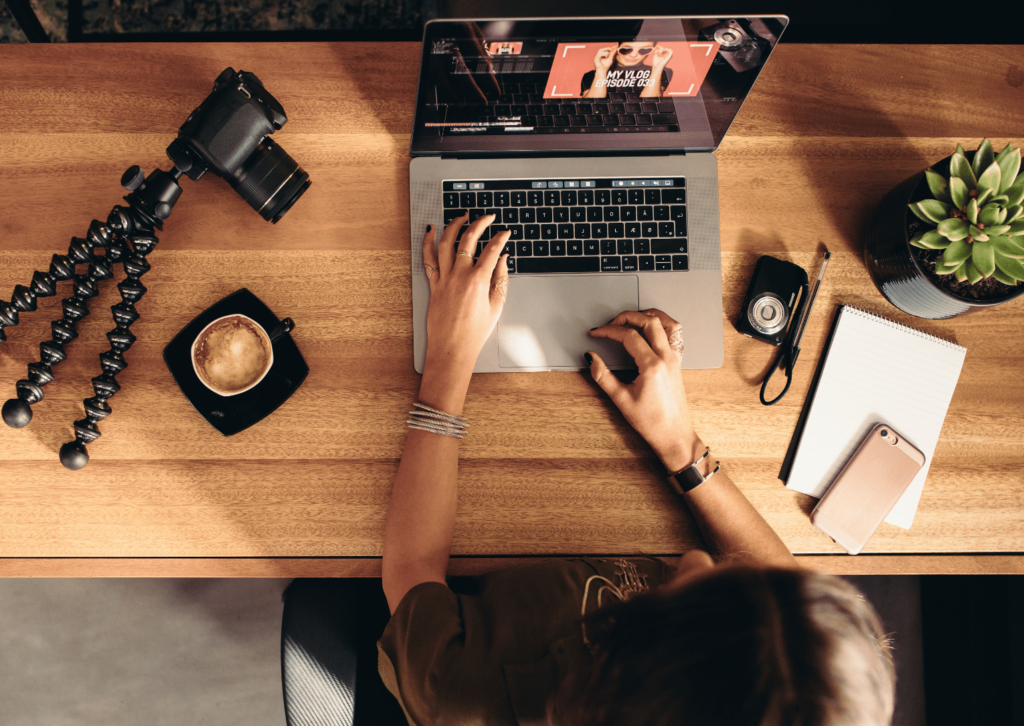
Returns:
<point x="229" y="135"/>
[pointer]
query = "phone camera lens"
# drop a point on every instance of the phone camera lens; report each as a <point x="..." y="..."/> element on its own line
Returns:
<point x="884" y="433"/>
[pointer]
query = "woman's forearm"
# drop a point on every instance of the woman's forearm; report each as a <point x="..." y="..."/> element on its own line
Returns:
<point x="728" y="521"/>
<point x="421" y="516"/>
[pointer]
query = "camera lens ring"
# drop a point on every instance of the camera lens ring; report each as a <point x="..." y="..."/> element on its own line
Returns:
<point x="767" y="313"/>
<point x="728" y="38"/>
<point x="270" y="180"/>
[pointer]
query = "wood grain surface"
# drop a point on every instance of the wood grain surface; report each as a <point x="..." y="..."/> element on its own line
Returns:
<point x="550" y="467"/>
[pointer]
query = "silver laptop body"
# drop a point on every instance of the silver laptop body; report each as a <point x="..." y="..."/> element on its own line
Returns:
<point x="547" y="315"/>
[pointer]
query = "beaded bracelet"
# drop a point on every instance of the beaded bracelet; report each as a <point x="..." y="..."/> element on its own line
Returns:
<point x="437" y="422"/>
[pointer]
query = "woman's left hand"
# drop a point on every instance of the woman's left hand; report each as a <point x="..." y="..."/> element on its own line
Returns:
<point x="466" y="296"/>
<point x="662" y="55"/>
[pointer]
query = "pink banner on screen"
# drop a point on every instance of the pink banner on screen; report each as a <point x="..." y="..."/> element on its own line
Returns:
<point x="674" y="69"/>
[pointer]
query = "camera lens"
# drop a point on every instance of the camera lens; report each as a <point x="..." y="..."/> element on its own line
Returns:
<point x="728" y="37"/>
<point x="883" y="433"/>
<point x="768" y="314"/>
<point x="270" y="181"/>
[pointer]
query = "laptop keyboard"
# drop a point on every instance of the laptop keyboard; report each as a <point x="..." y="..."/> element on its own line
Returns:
<point x="618" y="112"/>
<point x="579" y="225"/>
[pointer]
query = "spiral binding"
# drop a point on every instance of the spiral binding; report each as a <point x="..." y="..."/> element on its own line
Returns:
<point x="889" y="322"/>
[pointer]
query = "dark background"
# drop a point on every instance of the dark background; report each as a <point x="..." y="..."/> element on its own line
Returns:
<point x="869" y="21"/>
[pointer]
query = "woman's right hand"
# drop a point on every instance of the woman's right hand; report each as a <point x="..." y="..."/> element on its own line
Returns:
<point x="655" y="402"/>
<point x="604" y="59"/>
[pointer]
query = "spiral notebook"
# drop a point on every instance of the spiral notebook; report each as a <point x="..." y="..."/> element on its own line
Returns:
<point x="873" y="370"/>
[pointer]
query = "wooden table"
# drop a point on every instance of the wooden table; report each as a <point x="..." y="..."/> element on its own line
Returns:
<point x="550" y="467"/>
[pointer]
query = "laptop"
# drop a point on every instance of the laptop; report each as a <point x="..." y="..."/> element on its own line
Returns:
<point x="591" y="141"/>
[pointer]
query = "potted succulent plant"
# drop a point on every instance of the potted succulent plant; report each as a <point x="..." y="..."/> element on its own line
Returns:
<point x="951" y="239"/>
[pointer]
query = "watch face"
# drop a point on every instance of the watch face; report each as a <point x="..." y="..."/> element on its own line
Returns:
<point x="689" y="477"/>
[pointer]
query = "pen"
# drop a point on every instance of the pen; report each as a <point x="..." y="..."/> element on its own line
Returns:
<point x="802" y="324"/>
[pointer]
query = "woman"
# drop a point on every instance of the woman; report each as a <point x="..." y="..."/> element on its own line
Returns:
<point x="746" y="639"/>
<point x="621" y="67"/>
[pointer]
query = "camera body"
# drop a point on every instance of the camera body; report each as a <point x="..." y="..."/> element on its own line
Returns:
<point x="229" y="135"/>
<point x="738" y="44"/>
<point x="770" y="300"/>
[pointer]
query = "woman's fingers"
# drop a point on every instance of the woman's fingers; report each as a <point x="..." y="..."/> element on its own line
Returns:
<point x="430" y="263"/>
<point x="492" y="251"/>
<point x="635" y="343"/>
<point x="605" y="379"/>
<point x="651" y="326"/>
<point x="446" y="247"/>
<point x="467" y="245"/>
<point x="499" y="280"/>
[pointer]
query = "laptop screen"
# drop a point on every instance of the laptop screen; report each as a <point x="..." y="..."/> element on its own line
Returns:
<point x="612" y="84"/>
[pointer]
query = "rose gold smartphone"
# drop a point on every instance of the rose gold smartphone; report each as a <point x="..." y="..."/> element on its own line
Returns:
<point x="867" y="488"/>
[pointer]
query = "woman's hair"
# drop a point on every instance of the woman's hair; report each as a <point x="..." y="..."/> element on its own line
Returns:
<point x="739" y="646"/>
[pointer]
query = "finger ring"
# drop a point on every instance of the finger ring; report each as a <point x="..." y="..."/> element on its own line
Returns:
<point x="432" y="270"/>
<point x="465" y="254"/>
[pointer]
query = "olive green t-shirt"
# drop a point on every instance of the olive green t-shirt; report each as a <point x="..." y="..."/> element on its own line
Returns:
<point x="495" y="655"/>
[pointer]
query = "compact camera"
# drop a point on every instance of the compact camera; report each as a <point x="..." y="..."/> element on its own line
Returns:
<point x="770" y="300"/>
<point x="739" y="45"/>
<point x="229" y="135"/>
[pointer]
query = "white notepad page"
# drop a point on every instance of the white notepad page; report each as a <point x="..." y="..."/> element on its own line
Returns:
<point x="876" y="371"/>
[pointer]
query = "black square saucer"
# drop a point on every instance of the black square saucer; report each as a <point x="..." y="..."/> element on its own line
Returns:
<point x="231" y="414"/>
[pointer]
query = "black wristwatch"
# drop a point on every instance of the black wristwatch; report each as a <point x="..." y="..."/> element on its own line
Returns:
<point x="689" y="478"/>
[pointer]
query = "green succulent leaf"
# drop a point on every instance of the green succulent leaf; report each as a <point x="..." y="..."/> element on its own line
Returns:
<point x="996" y="229"/>
<point x="989" y="214"/>
<point x="931" y="210"/>
<point x="983" y="157"/>
<point x="1016" y="229"/>
<point x="1004" y="278"/>
<point x="973" y="274"/>
<point x="961" y="272"/>
<point x="971" y="210"/>
<point x="930" y="240"/>
<point x="958" y="191"/>
<point x="939" y="186"/>
<point x="959" y="166"/>
<point x="953" y="228"/>
<point x="1008" y="247"/>
<point x="1011" y="266"/>
<point x="956" y="253"/>
<point x="1010" y="166"/>
<point x="1013" y="213"/>
<point x="985" y="197"/>
<point x="960" y="150"/>
<point x="999" y="199"/>
<point x="977" y="234"/>
<point x="1015" y="192"/>
<point x="989" y="181"/>
<point x="984" y="257"/>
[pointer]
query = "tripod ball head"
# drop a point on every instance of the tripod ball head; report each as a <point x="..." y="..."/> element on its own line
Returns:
<point x="73" y="456"/>
<point x="17" y="414"/>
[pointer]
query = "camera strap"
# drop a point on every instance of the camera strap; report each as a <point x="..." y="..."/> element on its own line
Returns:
<point x="789" y="351"/>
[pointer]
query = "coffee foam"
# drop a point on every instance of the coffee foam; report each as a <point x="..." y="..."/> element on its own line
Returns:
<point x="231" y="355"/>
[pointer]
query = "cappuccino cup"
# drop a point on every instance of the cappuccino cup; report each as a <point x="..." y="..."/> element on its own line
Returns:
<point x="232" y="354"/>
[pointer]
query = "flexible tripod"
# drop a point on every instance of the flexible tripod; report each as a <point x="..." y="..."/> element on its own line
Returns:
<point x="128" y="237"/>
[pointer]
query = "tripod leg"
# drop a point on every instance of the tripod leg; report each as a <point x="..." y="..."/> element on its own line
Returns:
<point x="44" y="284"/>
<point x="17" y="412"/>
<point x="73" y="454"/>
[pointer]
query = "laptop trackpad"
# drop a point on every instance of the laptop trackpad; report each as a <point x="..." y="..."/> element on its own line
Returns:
<point x="547" y="320"/>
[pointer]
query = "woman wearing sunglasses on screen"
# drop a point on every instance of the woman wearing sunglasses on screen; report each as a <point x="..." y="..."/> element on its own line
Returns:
<point x="621" y="68"/>
<point x="741" y="638"/>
